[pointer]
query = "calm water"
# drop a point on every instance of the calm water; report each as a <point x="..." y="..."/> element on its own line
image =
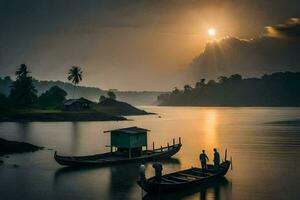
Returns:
<point x="266" y="158"/>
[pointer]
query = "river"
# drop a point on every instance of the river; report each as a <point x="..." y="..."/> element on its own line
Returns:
<point x="266" y="156"/>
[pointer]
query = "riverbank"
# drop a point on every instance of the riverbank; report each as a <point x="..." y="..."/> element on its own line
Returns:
<point x="11" y="147"/>
<point x="58" y="116"/>
<point x="107" y="110"/>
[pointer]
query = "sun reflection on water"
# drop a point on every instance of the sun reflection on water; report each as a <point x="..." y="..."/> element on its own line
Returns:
<point x="211" y="129"/>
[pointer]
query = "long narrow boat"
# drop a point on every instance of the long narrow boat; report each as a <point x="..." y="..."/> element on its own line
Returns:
<point x="116" y="157"/>
<point x="129" y="143"/>
<point x="185" y="179"/>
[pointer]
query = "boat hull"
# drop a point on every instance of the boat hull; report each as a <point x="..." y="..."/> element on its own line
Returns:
<point x="111" y="159"/>
<point x="155" y="187"/>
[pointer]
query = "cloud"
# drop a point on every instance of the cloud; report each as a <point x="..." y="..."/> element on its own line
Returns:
<point x="290" y="29"/>
<point x="278" y="49"/>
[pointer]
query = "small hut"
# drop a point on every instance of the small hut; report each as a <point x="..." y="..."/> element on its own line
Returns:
<point x="77" y="104"/>
<point x="128" y="141"/>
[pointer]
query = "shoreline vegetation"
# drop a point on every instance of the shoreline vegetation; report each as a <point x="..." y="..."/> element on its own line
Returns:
<point x="279" y="89"/>
<point x="24" y="104"/>
<point x="92" y="93"/>
<point x="107" y="110"/>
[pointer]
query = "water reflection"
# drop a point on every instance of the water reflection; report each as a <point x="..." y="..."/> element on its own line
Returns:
<point x="120" y="179"/>
<point x="210" y="129"/>
<point x="220" y="190"/>
<point x="247" y="133"/>
<point x="171" y="161"/>
<point x="25" y="130"/>
<point x="75" y="138"/>
<point x="63" y="172"/>
<point x="60" y="172"/>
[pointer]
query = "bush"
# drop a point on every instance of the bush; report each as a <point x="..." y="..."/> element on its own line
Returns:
<point x="53" y="97"/>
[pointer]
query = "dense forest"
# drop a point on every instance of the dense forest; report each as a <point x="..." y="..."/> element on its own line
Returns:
<point x="91" y="93"/>
<point x="277" y="89"/>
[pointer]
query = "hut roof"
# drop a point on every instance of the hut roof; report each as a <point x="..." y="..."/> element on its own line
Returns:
<point x="80" y="100"/>
<point x="130" y="130"/>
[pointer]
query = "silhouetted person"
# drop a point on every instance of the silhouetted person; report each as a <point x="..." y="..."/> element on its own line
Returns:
<point x="142" y="171"/>
<point x="203" y="158"/>
<point x="216" y="159"/>
<point x="158" y="170"/>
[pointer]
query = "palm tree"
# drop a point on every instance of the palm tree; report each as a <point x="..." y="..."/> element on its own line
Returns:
<point x="75" y="75"/>
<point x="22" y="71"/>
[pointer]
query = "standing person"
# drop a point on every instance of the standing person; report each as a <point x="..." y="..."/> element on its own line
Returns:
<point x="142" y="172"/>
<point x="203" y="158"/>
<point x="158" y="170"/>
<point x="216" y="159"/>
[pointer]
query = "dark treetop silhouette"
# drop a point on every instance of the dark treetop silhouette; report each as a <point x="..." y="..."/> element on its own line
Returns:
<point x="75" y="75"/>
<point x="23" y="92"/>
<point x="277" y="89"/>
<point x="92" y="93"/>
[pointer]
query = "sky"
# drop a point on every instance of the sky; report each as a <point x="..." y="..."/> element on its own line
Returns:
<point x="148" y="44"/>
<point x="276" y="49"/>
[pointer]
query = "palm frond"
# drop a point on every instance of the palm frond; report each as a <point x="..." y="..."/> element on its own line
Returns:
<point x="75" y="75"/>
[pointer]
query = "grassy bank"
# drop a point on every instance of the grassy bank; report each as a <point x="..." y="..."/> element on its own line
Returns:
<point x="117" y="108"/>
<point x="107" y="110"/>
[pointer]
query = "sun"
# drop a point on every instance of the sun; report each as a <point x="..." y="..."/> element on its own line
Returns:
<point x="211" y="32"/>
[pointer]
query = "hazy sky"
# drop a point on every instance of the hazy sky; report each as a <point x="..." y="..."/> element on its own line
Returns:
<point x="125" y="44"/>
<point x="276" y="49"/>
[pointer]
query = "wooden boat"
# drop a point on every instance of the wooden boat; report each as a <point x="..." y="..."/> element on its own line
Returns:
<point x="185" y="179"/>
<point x="116" y="157"/>
<point x="129" y="143"/>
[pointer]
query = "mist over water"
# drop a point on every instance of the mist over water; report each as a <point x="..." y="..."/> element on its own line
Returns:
<point x="266" y="156"/>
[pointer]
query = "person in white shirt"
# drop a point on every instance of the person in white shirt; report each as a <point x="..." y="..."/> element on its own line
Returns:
<point x="142" y="171"/>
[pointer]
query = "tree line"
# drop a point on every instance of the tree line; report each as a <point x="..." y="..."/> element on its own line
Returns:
<point x="277" y="89"/>
<point x="91" y="93"/>
<point x="23" y="93"/>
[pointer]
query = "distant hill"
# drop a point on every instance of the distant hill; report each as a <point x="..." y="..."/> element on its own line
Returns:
<point x="277" y="89"/>
<point x="91" y="93"/>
